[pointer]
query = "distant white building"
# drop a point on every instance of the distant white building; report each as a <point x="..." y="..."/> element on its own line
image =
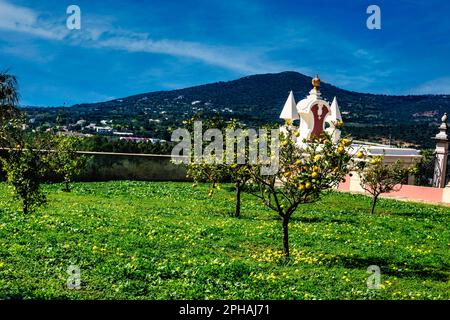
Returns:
<point x="73" y="134"/>
<point x="104" y="130"/>
<point x="139" y="139"/>
<point x="123" y="134"/>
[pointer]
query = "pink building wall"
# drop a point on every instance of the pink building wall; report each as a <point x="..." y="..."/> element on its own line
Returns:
<point x="409" y="192"/>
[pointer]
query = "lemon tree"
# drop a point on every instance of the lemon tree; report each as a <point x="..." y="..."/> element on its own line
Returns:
<point x="214" y="173"/>
<point x="23" y="162"/>
<point x="65" y="161"/>
<point x="378" y="178"/>
<point x="26" y="167"/>
<point x="305" y="171"/>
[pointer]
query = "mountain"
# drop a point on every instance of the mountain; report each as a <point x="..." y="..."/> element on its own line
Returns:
<point x="258" y="99"/>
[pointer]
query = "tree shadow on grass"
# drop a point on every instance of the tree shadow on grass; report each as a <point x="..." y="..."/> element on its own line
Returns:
<point x="389" y="267"/>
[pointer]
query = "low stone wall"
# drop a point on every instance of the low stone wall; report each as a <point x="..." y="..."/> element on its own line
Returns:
<point x="105" y="166"/>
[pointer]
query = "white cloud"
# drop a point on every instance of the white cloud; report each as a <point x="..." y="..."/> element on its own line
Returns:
<point x="228" y="58"/>
<point x="25" y="20"/>
<point x="360" y="53"/>
<point x="436" y="86"/>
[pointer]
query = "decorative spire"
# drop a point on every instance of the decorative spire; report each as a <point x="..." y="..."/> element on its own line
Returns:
<point x="289" y="112"/>
<point x="335" y="113"/>
<point x="444" y="122"/>
<point x="316" y="82"/>
<point x="315" y="93"/>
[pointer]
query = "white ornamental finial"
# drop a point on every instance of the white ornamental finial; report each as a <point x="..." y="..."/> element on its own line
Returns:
<point x="315" y="92"/>
<point x="443" y="134"/>
<point x="290" y="112"/>
<point x="444" y="118"/>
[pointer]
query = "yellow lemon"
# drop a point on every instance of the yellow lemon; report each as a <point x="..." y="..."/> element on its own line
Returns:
<point x="314" y="174"/>
<point x="308" y="185"/>
<point x="301" y="187"/>
<point x="317" y="157"/>
<point x="346" y="142"/>
<point x="297" y="134"/>
<point x="341" y="149"/>
<point x="339" y="124"/>
<point x="360" y="155"/>
<point x="375" y="161"/>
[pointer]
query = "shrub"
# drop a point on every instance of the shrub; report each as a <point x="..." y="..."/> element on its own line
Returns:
<point x="65" y="161"/>
<point x="378" y="178"/>
<point x="25" y="169"/>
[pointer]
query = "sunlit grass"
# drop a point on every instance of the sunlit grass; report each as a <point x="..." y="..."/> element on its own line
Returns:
<point x="161" y="240"/>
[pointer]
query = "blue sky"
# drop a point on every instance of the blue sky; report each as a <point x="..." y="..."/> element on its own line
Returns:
<point x="131" y="47"/>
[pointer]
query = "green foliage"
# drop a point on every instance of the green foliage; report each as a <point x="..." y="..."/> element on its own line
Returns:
<point x="303" y="172"/>
<point x="378" y="178"/>
<point x="26" y="166"/>
<point x="65" y="161"/>
<point x="25" y="174"/>
<point x="424" y="168"/>
<point x="10" y="116"/>
<point x="162" y="240"/>
<point x="113" y="144"/>
<point x="203" y="170"/>
<point x="9" y="96"/>
<point x="213" y="172"/>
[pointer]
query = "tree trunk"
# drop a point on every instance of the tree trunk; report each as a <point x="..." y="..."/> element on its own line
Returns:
<point x="237" y="213"/>
<point x="25" y="207"/>
<point x="66" y="186"/>
<point x="374" y="202"/>
<point x="285" y="236"/>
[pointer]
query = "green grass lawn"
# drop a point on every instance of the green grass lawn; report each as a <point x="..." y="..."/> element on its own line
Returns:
<point x="149" y="240"/>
